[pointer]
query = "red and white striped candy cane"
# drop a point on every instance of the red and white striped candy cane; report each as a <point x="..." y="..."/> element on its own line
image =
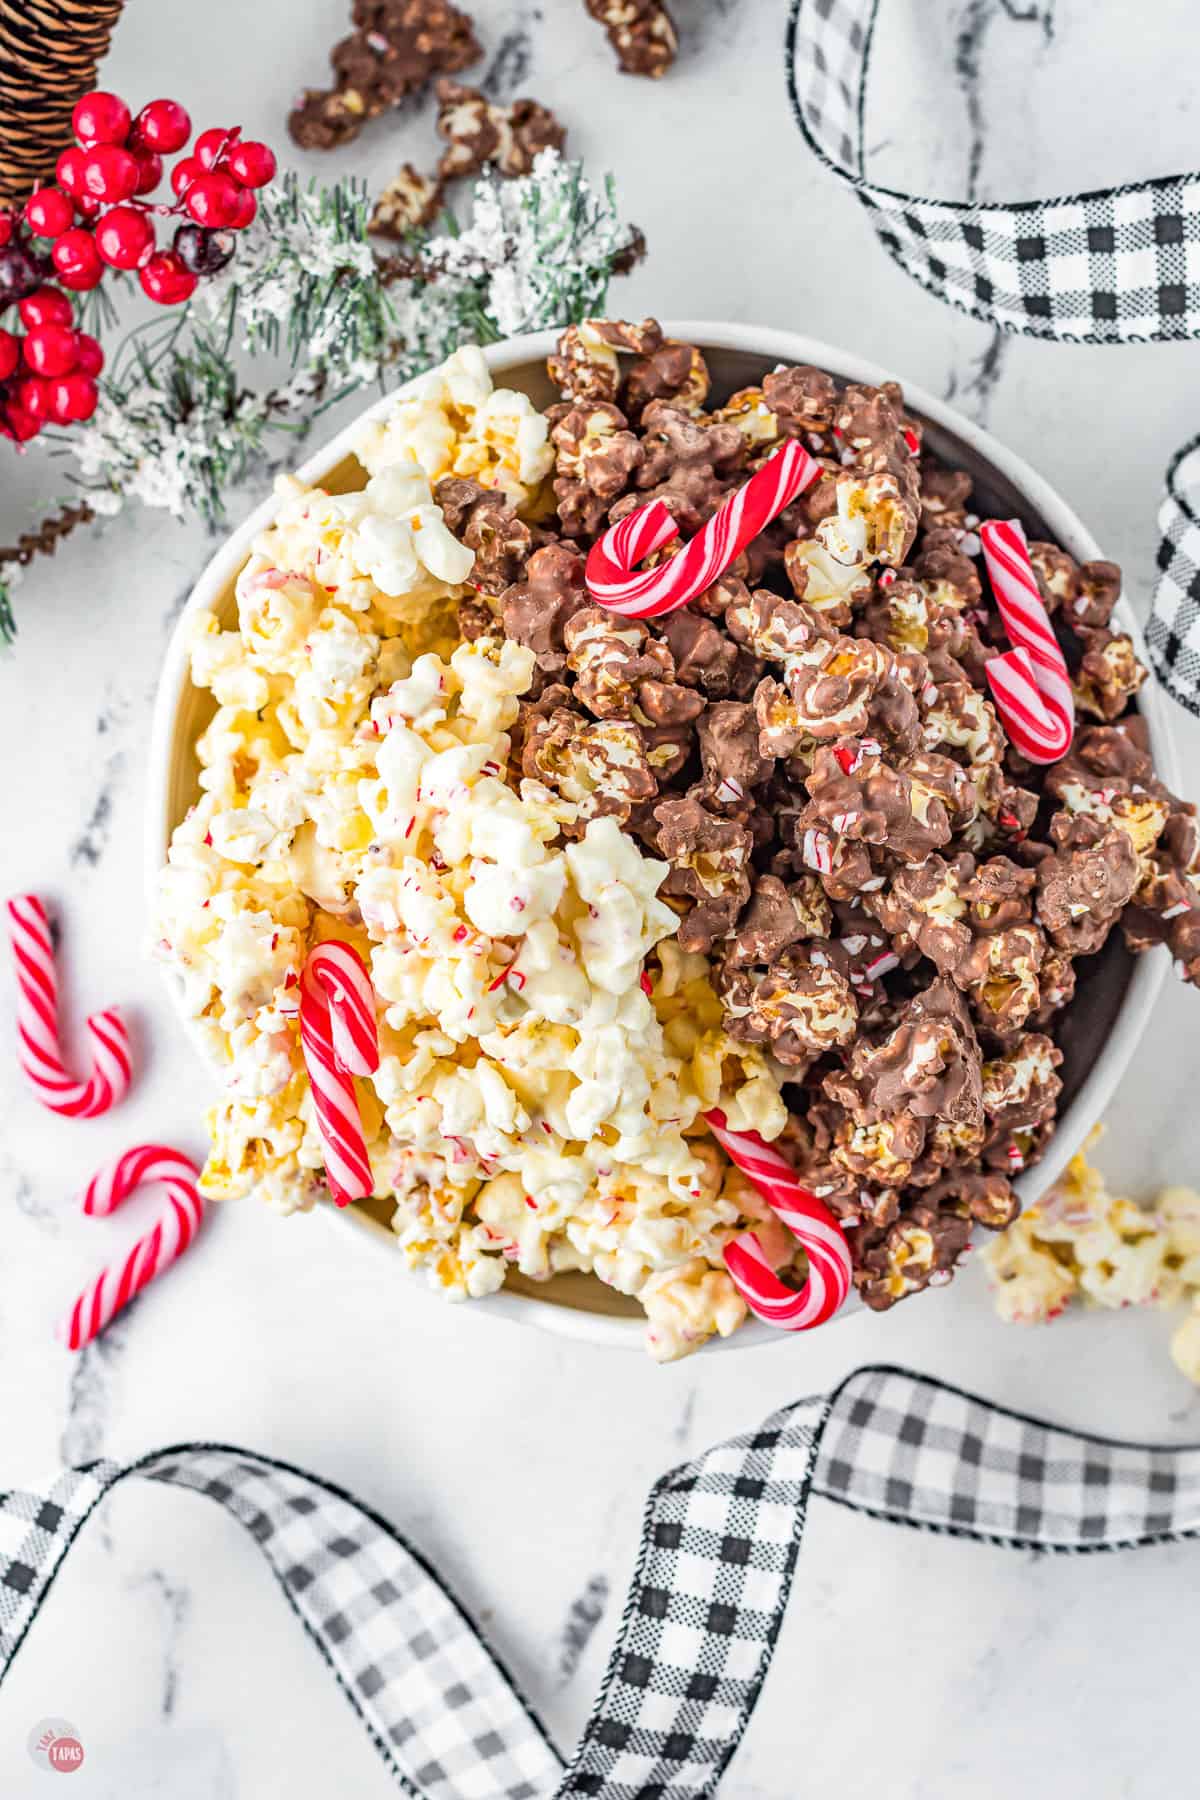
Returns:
<point x="811" y="1222"/>
<point x="1030" y="683"/>
<point x="339" y="1039"/>
<point x="115" y="1287"/>
<point x="612" y="576"/>
<point x="37" y="1025"/>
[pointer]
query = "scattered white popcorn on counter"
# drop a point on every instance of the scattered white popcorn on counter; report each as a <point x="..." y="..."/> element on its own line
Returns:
<point x="547" y="1051"/>
<point x="1081" y="1242"/>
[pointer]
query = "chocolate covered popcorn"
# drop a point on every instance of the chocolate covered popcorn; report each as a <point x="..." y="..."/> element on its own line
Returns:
<point x="771" y="853"/>
<point x="642" y="32"/>
<point x="892" y="901"/>
<point x="397" y="46"/>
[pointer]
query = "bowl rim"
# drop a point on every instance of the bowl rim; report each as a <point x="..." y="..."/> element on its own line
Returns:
<point x="786" y="347"/>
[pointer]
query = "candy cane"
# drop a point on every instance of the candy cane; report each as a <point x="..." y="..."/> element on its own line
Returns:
<point x="339" y="1039"/>
<point x="829" y="1266"/>
<point x="37" y="1025"/>
<point x="115" y="1287"/>
<point x="613" y="559"/>
<point x="1030" y="682"/>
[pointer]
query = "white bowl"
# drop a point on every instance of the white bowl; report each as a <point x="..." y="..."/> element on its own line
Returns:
<point x="1116" y="992"/>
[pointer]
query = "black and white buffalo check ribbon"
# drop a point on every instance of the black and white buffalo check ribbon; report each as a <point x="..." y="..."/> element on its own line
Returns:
<point x="719" y="1544"/>
<point x="1173" y="628"/>
<point x="1115" y="266"/>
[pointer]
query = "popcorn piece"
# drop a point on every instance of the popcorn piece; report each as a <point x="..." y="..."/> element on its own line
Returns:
<point x="597" y="455"/>
<point x="453" y="422"/>
<point x="620" y="670"/>
<point x="709" y="860"/>
<point x="535" y="612"/>
<point x="600" y="768"/>
<point x="394" y="51"/>
<point x="478" y="133"/>
<point x="1082" y="1242"/>
<point x="1110" y="673"/>
<point x="831" y="585"/>
<point x="641" y="32"/>
<point x="675" y="374"/>
<point x="874" y="521"/>
<point x="486" y="522"/>
<point x="800" y="1005"/>
<point x="1082" y="889"/>
<point x="409" y="201"/>
<point x="686" y="1305"/>
<point x="1185" y="1344"/>
<point x="802" y="399"/>
<point x="584" y="366"/>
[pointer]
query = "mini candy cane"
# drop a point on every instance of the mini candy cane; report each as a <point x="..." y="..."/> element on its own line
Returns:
<point x="829" y="1267"/>
<point x="339" y="1039"/>
<point x="115" y="1287"/>
<point x="37" y="1025"/>
<point x="1029" y="683"/>
<point x="613" y="559"/>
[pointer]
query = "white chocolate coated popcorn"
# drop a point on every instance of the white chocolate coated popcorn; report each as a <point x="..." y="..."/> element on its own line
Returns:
<point x="1084" y="1243"/>
<point x="539" y="1098"/>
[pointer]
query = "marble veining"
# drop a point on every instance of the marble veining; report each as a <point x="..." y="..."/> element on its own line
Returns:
<point x="518" y="1462"/>
<point x="583" y="1615"/>
<point x="510" y="61"/>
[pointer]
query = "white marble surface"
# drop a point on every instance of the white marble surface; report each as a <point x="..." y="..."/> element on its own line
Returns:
<point x="909" y="1667"/>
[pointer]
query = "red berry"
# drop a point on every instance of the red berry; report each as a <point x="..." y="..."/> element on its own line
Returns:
<point x="252" y="163"/>
<point x="212" y="200"/>
<point x="110" y="173"/>
<point x="100" y="118"/>
<point x="6" y="228"/>
<point x="165" y="279"/>
<point x="184" y="173"/>
<point x="72" y="399"/>
<point x="69" y="170"/>
<point x="48" y="213"/>
<point x="51" y="350"/>
<point x="211" y="145"/>
<point x="247" y="206"/>
<point x="88" y="207"/>
<point x="77" y="259"/>
<point x="150" y="167"/>
<point x="32" y="395"/>
<point x="89" y="355"/>
<point x="10" y="354"/>
<point x="19" y="424"/>
<point x="46" y="306"/>
<point x="124" y="237"/>
<point x="162" y="125"/>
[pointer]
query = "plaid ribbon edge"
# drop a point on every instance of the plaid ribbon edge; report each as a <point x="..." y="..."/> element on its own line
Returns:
<point x="1075" y="272"/>
<point x="897" y="1446"/>
<point x="107" y="1474"/>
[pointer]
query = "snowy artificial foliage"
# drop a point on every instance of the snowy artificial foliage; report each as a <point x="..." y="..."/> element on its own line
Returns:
<point x="178" y="424"/>
<point x="176" y="428"/>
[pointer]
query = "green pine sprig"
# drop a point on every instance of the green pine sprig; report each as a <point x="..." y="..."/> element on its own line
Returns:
<point x="178" y="427"/>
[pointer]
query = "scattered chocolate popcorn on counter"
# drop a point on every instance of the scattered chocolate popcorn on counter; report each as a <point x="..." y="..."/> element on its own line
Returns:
<point x="642" y="32"/>
<point x="477" y="134"/>
<point x="396" y="47"/>
<point x="892" y="899"/>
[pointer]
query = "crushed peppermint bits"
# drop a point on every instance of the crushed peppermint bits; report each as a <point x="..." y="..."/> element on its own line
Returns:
<point x="547" y="1050"/>
<point x="893" y="902"/>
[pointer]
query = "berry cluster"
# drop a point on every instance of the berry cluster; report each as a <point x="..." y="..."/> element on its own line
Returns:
<point x="98" y="215"/>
